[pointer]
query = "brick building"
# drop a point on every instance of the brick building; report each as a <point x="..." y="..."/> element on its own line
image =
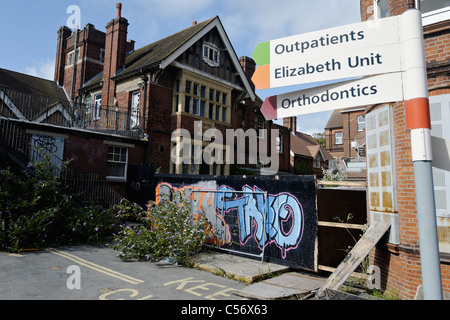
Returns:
<point x="171" y="84"/>
<point x="345" y="134"/>
<point x="391" y="183"/>
<point x="36" y="113"/>
<point x="307" y="156"/>
<point x="112" y="108"/>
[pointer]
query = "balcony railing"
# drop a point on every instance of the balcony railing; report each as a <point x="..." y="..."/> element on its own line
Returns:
<point x="21" y="147"/>
<point x="45" y="110"/>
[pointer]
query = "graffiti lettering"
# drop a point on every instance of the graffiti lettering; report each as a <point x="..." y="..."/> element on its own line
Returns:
<point x="276" y="220"/>
<point x="202" y="203"/>
<point x="284" y="217"/>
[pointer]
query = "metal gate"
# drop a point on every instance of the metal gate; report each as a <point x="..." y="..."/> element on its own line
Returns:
<point x="235" y="233"/>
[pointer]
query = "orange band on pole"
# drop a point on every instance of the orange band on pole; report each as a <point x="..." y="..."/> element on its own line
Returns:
<point x="417" y="113"/>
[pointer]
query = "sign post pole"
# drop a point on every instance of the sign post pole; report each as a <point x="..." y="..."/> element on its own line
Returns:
<point x="393" y="48"/>
<point x="417" y="114"/>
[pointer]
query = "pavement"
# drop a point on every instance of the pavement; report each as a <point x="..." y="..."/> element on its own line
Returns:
<point x="97" y="273"/>
<point x="267" y="281"/>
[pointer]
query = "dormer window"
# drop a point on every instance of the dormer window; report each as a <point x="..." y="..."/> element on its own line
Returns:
<point x="211" y="54"/>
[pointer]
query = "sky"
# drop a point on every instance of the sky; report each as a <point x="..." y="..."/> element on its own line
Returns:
<point x="28" y="29"/>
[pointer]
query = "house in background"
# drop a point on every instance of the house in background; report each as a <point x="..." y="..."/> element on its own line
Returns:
<point x="345" y="134"/>
<point x="307" y="156"/>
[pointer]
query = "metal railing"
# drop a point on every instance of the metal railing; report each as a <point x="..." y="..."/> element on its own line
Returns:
<point x="86" y="186"/>
<point x="46" y="110"/>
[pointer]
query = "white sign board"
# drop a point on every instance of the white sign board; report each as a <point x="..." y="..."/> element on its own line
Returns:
<point x="378" y="89"/>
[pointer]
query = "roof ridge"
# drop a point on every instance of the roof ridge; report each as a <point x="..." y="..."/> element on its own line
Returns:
<point x="145" y="49"/>
<point x="27" y="75"/>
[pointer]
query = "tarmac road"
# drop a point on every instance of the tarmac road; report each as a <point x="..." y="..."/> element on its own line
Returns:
<point x="92" y="273"/>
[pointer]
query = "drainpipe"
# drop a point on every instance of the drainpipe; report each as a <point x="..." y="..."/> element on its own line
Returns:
<point x="348" y="140"/>
<point x="74" y="69"/>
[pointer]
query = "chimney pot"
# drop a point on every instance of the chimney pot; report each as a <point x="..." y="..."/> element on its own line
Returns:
<point x="194" y="23"/>
<point x="119" y="10"/>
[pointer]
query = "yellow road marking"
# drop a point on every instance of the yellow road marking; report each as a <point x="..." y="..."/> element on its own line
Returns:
<point x="96" y="267"/>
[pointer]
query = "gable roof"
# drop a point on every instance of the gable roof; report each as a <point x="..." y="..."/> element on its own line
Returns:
<point x="157" y="52"/>
<point x="165" y="51"/>
<point x="303" y="144"/>
<point x="30" y="96"/>
<point x="33" y="86"/>
<point x="335" y="120"/>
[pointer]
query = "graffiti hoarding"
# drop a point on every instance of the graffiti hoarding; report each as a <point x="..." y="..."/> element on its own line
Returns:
<point x="256" y="215"/>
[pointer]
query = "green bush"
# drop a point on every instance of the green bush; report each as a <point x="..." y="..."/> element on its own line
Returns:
<point x="36" y="212"/>
<point x="170" y="230"/>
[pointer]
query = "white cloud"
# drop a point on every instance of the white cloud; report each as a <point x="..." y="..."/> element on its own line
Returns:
<point x="44" y="69"/>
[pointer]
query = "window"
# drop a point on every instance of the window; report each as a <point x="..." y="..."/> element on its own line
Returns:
<point x="434" y="11"/>
<point x="280" y="143"/>
<point x="381" y="9"/>
<point x="432" y="5"/>
<point x="260" y="127"/>
<point x="381" y="160"/>
<point x="201" y="100"/>
<point x="211" y="54"/>
<point x="316" y="163"/>
<point x="193" y="161"/>
<point x="361" y="123"/>
<point x="338" y="138"/>
<point x="71" y="57"/>
<point x="97" y="106"/>
<point x="88" y="104"/>
<point x="102" y="55"/>
<point x="117" y="163"/>
<point x="135" y="110"/>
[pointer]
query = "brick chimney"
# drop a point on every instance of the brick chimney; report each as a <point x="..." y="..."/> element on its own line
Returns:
<point x="60" y="62"/>
<point x="291" y="124"/>
<point x="249" y="66"/>
<point x="115" y="53"/>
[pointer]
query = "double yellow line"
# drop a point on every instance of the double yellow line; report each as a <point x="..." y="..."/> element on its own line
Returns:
<point x="96" y="267"/>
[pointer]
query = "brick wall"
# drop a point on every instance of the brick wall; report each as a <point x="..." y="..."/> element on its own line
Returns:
<point x="400" y="264"/>
<point x="89" y="154"/>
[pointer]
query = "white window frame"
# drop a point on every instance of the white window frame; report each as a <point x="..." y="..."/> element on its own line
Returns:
<point x="97" y="106"/>
<point x="440" y="113"/>
<point x="211" y="54"/>
<point x="377" y="12"/>
<point x="380" y="153"/>
<point x="260" y="125"/>
<point x="280" y="143"/>
<point x="120" y="161"/>
<point x="71" y="57"/>
<point x="339" y="140"/>
<point x="434" y="16"/>
<point x="361" y="124"/>
<point x="135" y="110"/>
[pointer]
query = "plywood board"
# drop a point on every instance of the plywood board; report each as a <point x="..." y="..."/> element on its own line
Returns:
<point x="362" y="248"/>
